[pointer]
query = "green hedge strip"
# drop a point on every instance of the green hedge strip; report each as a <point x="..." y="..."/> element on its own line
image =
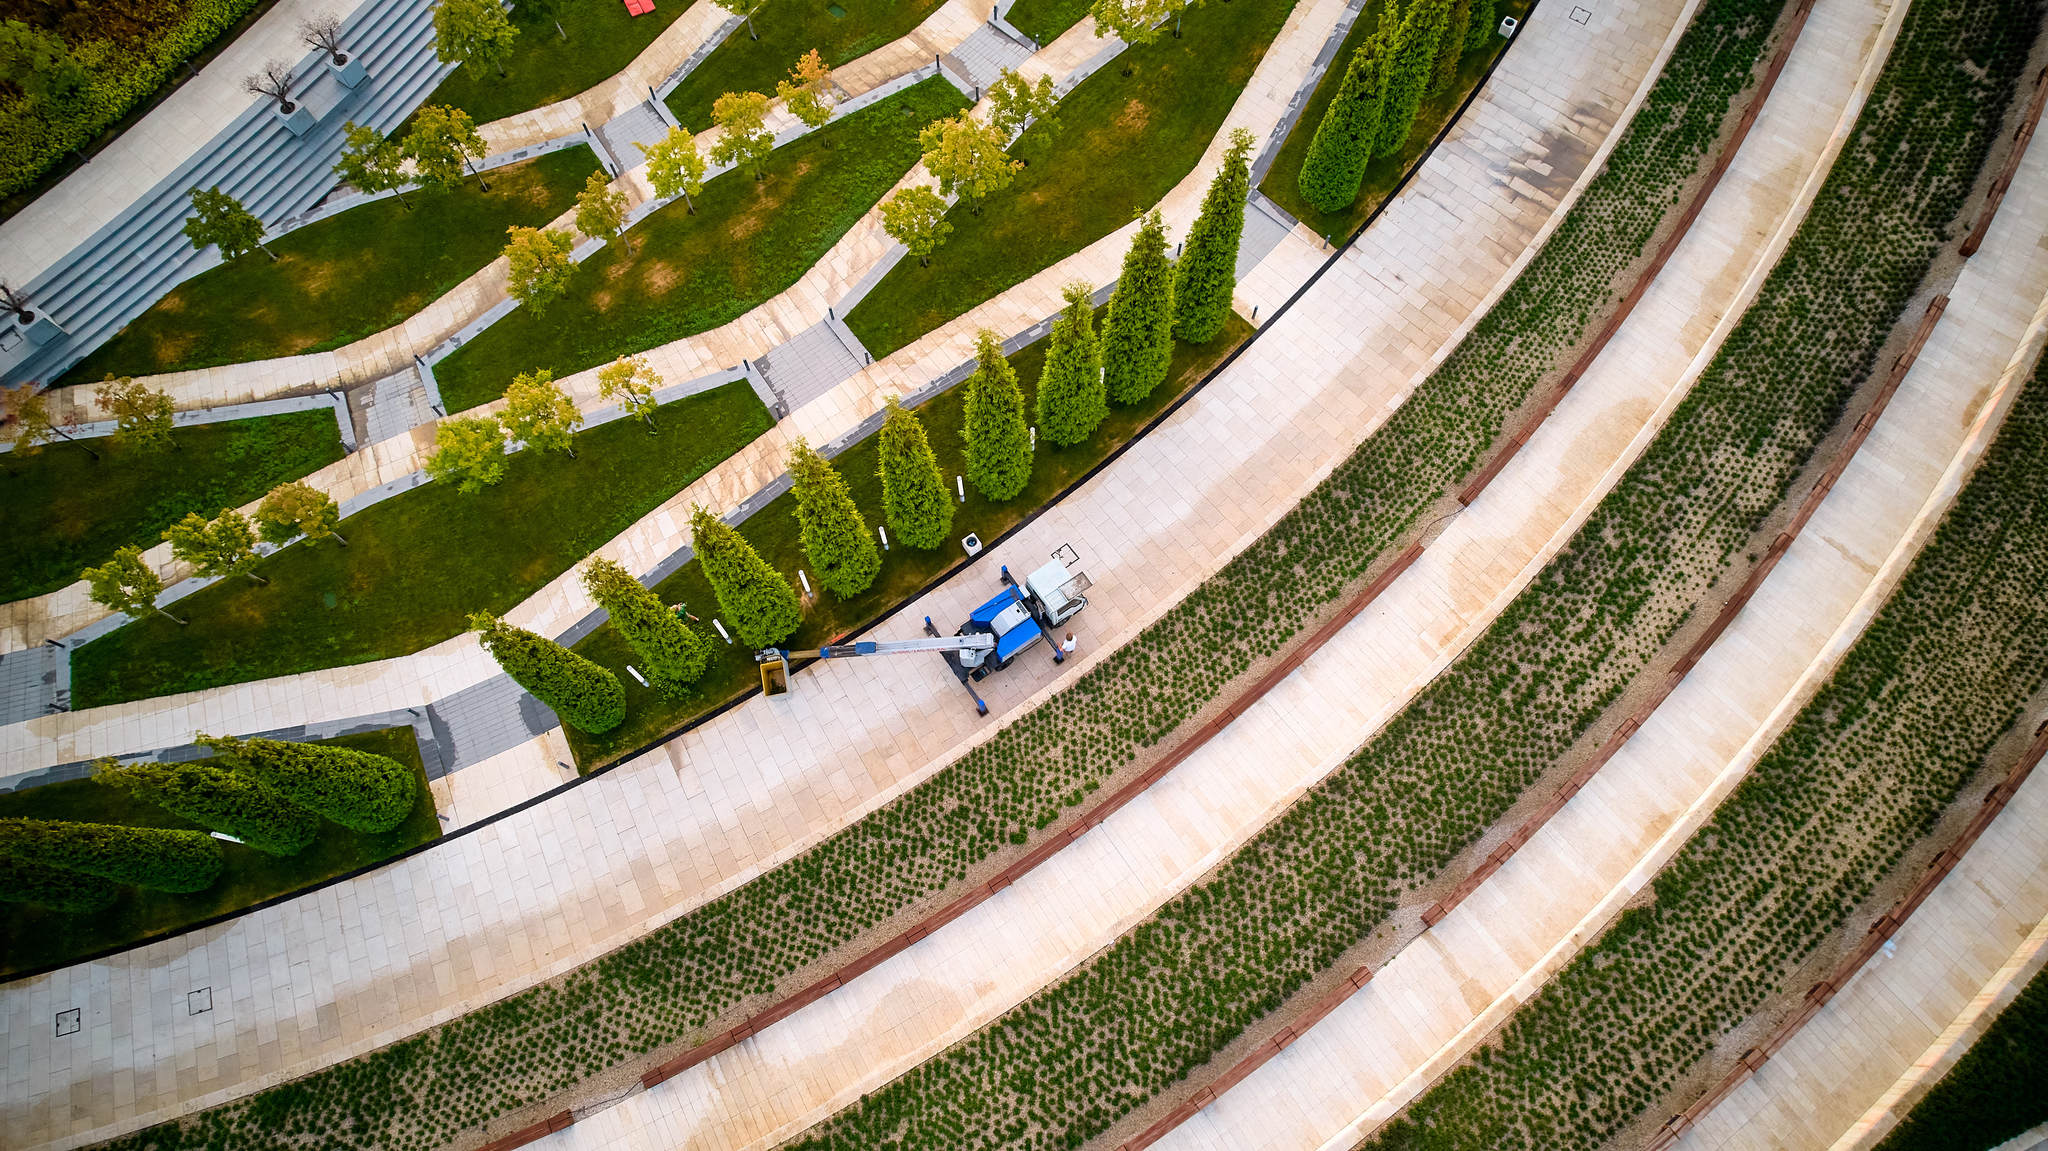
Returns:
<point x="219" y="800"/>
<point x="177" y="861"/>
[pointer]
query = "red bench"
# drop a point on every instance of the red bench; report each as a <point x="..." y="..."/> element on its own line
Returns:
<point x="639" y="7"/>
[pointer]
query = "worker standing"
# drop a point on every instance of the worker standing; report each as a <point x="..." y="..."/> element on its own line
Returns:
<point x="1067" y="644"/>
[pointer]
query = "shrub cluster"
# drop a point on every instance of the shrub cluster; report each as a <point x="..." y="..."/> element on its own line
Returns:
<point x="363" y="792"/>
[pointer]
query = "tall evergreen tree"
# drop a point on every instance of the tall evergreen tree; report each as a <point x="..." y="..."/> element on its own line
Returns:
<point x="54" y="887"/>
<point x="1334" y="169"/>
<point x="1411" y="61"/>
<point x="586" y="696"/>
<point x="1137" y="333"/>
<point x="217" y="799"/>
<point x="154" y="857"/>
<point x="1451" y="47"/>
<point x="914" y="497"/>
<point x="359" y="790"/>
<point x="835" y="537"/>
<point x="1480" y="31"/>
<point x="671" y="655"/>
<point x="1071" y="401"/>
<point x="998" y="439"/>
<point x="759" y="602"/>
<point x="1207" y="272"/>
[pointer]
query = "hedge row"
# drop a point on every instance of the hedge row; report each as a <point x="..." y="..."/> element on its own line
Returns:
<point x="1861" y="775"/>
<point x="152" y="857"/>
<point x="677" y="981"/>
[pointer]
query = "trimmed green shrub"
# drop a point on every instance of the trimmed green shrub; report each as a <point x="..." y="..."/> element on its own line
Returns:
<point x="53" y="887"/>
<point x="835" y="537"/>
<point x="1207" y="273"/>
<point x="1993" y="1093"/>
<point x="219" y="800"/>
<point x="1071" y="401"/>
<point x="151" y="857"/>
<point x="360" y="791"/>
<point x="1334" y="168"/>
<point x="586" y="697"/>
<point x="671" y="654"/>
<point x="759" y="602"/>
<point x="1137" y="333"/>
<point x="914" y="497"/>
<point x="1411" y="63"/>
<point x="998" y="439"/>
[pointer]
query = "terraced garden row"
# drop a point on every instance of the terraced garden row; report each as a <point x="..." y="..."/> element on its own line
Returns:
<point x="1162" y="1001"/>
<point x="675" y="985"/>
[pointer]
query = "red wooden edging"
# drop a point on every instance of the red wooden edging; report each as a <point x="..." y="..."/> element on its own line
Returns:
<point x="2021" y="136"/>
<point x="528" y="1134"/>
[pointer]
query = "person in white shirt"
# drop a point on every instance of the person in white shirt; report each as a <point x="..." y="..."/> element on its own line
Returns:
<point x="1067" y="644"/>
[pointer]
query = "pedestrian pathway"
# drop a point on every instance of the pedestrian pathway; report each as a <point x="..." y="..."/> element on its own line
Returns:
<point x="707" y="811"/>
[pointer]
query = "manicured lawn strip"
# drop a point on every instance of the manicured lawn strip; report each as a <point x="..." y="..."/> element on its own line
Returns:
<point x="688" y="274"/>
<point x="677" y="983"/>
<point x="33" y="938"/>
<point x="1383" y="175"/>
<point x="1046" y="20"/>
<point x="61" y="511"/>
<point x="344" y="278"/>
<point x="1167" y="997"/>
<point x="1993" y="1093"/>
<point x="602" y="39"/>
<point x="905" y="571"/>
<point x="419" y="562"/>
<point x="1124" y="142"/>
<point x="1859" y="777"/>
<point x="787" y="31"/>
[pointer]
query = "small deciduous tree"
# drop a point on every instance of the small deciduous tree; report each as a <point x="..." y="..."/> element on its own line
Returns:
<point x="217" y="799"/>
<point x="220" y="220"/>
<point x="540" y="266"/>
<point x="676" y="168"/>
<point x="743" y="137"/>
<point x="1334" y="168"/>
<point x="754" y="597"/>
<point x="601" y="211"/>
<point x="468" y="452"/>
<point x="745" y="10"/>
<point x="1133" y="21"/>
<point x="39" y="63"/>
<point x="998" y="439"/>
<point x="630" y="382"/>
<point x="1070" y="398"/>
<point x="586" y="696"/>
<point x="1450" y="47"/>
<point x="143" y="416"/>
<point x="539" y="414"/>
<point x="915" y="217"/>
<point x="127" y="585"/>
<point x="671" y="654"/>
<point x="372" y="162"/>
<point x="298" y="508"/>
<point x="154" y="857"/>
<point x="1137" y="333"/>
<point x="222" y="546"/>
<point x="473" y="32"/>
<point x="1411" y="59"/>
<point x="274" y="81"/>
<point x="54" y="887"/>
<point x="808" y="91"/>
<point x="968" y="158"/>
<point x="1014" y="102"/>
<point x="835" y="537"/>
<point x="441" y="142"/>
<point x="323" y="31"/>
<point x="915" y="501"/>
<point x="1207" y="273"/>
<point x="29" y="420"/>
<point x="359" y="790"/>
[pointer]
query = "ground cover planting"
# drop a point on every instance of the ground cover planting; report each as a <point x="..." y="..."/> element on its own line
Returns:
<point x="771" y="935"/>
<point x="1859" y="777"/>
<point x="34" y="938"/>
<point x="690" y="273"/>
<point x="597" y="39"/>
<point x="339" y="280"/>
<point x="905" y="570"/>
<point x="1163" y="1000"/>
<point x="840" y="32"/>
<point x="1122" y="142"/>
<point x="61" y="510"/>
<point x="418" y="563"/>
<point x="1993" y="1093"/>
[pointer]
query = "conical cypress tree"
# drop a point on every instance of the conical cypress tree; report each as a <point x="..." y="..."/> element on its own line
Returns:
<point x="1450" y="47"/>
<point x="1480" y="30"/>
<point x="1334" y="169"/>
<point x="1071" y="401"/>
<point x="998" y="439"/>
<point x="1137" y="332"/>
<point x="363" y="792"/>
<point x="914" y="496"/>
<point x="217" y="799"/>
<point x="1410" y="63"/>
<point x="53" y="887"/>
<point x="670" y="653"/>
<point x="1207" y="272"/>
<point x="836" y="538"/>
<point x="587" y="697"/>
<point x="152" y="857"/>
<point x="754" y="598"/>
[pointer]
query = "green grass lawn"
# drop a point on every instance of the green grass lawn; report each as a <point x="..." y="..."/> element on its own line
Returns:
<point x="1124" y="142"/>
<point x="788" y="30"/>
<point x="61" y="511"/>
<point x="690" y="273"/>
<point x="602" y="39"/>
<point x="1046" y="20"/>
<point x="344" y="278"/>
<point x="905" y="571"/>
<point x="1282" y="182"/>
<point x="34" y="937"/>
<point x="419" y="562"/>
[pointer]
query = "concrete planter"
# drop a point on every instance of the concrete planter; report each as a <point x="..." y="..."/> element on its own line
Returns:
<point x="297" y="118"/>
<point x="348" y="71"/>
<point x="41" y="330"/>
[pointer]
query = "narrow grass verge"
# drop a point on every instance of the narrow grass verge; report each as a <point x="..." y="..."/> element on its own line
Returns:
<point x="1046" y="20"/>
<point x="841" y="31"/>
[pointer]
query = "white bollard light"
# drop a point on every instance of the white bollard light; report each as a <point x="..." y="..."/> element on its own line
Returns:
<point x="960" y="484"/>
<point x="635" y="673"/>
<point x="1034" y="437"/>
<point x="884" y="533"/>
<point x="805" y="578"/>
<point x="722" y="634"/>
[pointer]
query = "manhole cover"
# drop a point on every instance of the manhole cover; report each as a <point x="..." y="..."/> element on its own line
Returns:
<point x="838" y="13"/>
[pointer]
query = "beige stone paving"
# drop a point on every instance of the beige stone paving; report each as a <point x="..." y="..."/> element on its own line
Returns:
<point x="711" y="809"/>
